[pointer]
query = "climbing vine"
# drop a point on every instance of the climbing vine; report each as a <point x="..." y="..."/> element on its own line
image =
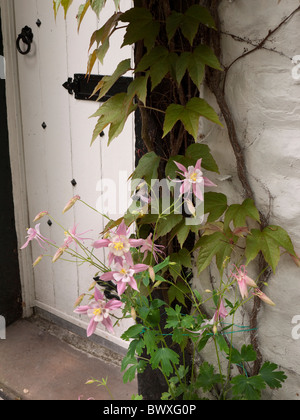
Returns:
<point x="178" y="218"/>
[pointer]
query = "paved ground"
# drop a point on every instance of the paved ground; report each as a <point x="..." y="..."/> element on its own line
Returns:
<point x="37" y="364"/>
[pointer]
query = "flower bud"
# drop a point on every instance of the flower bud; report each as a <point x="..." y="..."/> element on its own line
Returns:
<point x="151" y="273"/>
<point x="263" y="297"/>
<point x="40" y="215"/>
<point x="71" y="203"/>
<point x="79" y="300"/>
<point x="191" y="207"/>
<point x="58" y="254"/>
<point x="133" y="313"/>
<point x="215" y="329"/>
<point x="38" y="260"/>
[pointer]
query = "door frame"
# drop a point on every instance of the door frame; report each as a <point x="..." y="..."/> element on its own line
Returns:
<point x="16" y="150"/>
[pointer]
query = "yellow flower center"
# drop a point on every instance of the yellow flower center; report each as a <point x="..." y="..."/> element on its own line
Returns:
<point x="123" y="271"/>
<point x="193" y="177"/>
<point x="97" y="311"/>
<point x="119" y="246"/>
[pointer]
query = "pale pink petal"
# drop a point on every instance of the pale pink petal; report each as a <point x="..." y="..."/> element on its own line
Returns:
<point x="26" y="244"/>
<point x="82" y="310"/>
<point x="91" y="327"/>
<point x="98" y="295"/>
<point x="121" y="287"/>
<point x="138" y="268"/>
<point x="185" y="187"/>
<point x="198" y="191"/>
<point x="208" y="183"/>
<point x="118" y="276"/>
<point x="122" y="229"/>
<point x="180" y="166"/>
<point x="128" y="258"/>
<point x="108" y="276"/>
<point x="133" y="284"/>
<point x="108" y="325"/>
<point x="198" y="164"/>
<point x="113" y="304"/>
<point x="243" y="289"/>
<point x="101" y="243"/>
<point x="250" y="282"/>
<point x="136" y="242"/>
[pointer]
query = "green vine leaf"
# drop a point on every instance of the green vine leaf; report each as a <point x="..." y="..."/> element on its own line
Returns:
<point x="247" y="354"/>
<point x="181" y="231"/>
<point x="215" y="204"/>
<point x="189" y="115"/>
<point x="166" y="224"/>
<point x="150" y="341"/>
<point x="268" y="242"/>
<point x="207" y="377"/>
<point x="97" y="6"/>
<point x="189" y="22"/>
<point x="147" y="168"/>
<point x="159" y="62"/>
<point x="113" y="112"/>
<point x="165" y="357"/>
<point x="248" y="388"/>
<point x="107" y="82"/>
<point x="239" y="212"/>
<point x="210" y="246"/>
<point x="273" y="379"/>
<point x="202" y="151"/>
<point x="141" y="26"/>
<point x="195" y="62"/>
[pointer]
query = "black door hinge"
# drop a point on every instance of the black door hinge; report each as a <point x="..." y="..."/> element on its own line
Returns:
<point x="83" y="87"/>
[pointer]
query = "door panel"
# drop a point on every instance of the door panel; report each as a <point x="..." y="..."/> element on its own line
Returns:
<point x="10" y="288"/>
<point x="61" y="152"/>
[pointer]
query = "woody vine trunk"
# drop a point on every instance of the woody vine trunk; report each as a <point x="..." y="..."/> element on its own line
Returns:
<point x="176" y="142"/>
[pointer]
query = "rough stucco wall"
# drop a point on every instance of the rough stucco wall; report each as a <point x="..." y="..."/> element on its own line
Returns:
<point x="264" y="99"/>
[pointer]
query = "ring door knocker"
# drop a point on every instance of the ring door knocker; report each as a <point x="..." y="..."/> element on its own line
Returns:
<point x="26" y="36"/>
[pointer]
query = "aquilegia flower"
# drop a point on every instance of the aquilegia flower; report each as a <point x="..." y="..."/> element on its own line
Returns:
<point x="99" y="311"/>
<point x="149" y="246"/>
<point x="119" y="244"/>
<point x="123" y="274"/>
<point x="221" y="312"/>
<point x="243" y="281"/>
<point x="263" y="297"/>
<point x="193" y="180"/>
<point x="73" y="236"/>
<point x="34" y="233"/>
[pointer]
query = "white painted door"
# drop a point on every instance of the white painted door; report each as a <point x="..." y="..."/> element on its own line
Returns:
<point x="61" y="152"/>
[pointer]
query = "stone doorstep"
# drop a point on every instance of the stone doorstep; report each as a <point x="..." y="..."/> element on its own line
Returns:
<point x="44" y="361"/>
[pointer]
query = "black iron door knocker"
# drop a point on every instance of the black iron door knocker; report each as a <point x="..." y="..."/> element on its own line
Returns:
<point x="26" y="36"/>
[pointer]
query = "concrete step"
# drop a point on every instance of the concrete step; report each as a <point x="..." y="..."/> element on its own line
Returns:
<point x="38" y="362"/>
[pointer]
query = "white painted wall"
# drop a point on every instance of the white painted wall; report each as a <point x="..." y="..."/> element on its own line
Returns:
<point x="62" y="152"/>
<point x="264" y="99"/>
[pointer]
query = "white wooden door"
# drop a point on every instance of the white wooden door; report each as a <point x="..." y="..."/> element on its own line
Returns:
<point x="61" y="152"/>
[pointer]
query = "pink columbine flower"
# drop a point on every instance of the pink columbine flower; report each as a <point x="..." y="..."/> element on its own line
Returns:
<point x="221" y="312"/>
<point x="243" y="281"/>
<point x="98" y="311"/>
<point x="123" y="274"/>
<point x="34" y="233"/>
<point x="263" y="297"/>
<point x="119" y="244"/>
<point x="73" y="236"/>
<point x="193" y="179"/>
<point x="149" y="246"/>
